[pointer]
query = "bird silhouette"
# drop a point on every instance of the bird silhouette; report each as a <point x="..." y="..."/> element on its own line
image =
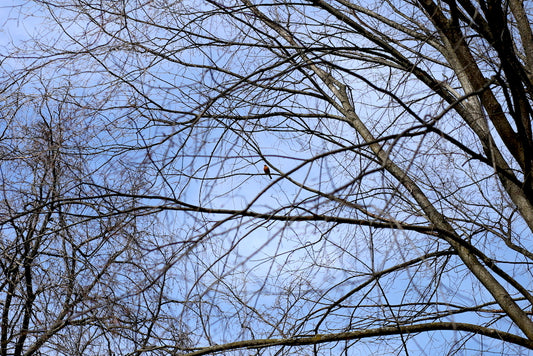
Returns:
<point x="267" y="171"/>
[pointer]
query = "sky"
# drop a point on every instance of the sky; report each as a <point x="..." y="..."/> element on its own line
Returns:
<point x="140" y="110"/>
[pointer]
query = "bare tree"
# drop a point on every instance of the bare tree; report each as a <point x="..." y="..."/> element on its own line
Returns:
<point x="137" y="216"/>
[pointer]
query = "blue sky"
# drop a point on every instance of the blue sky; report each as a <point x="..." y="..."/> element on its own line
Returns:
<point x="141" y="107"/>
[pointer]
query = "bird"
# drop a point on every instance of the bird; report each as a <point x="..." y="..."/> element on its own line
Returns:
<point x="267" y="171"/>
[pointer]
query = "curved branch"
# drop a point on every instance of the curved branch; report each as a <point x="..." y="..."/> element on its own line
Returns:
<point x="359" y="334"/>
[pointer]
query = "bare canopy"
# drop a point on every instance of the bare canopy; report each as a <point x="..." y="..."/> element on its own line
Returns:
<point x="276" y="178"/>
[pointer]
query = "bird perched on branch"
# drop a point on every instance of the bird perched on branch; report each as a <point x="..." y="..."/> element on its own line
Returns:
<point x="267" y="171"/>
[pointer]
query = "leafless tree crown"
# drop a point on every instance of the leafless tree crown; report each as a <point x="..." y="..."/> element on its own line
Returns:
<point x="137" y="215"/>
